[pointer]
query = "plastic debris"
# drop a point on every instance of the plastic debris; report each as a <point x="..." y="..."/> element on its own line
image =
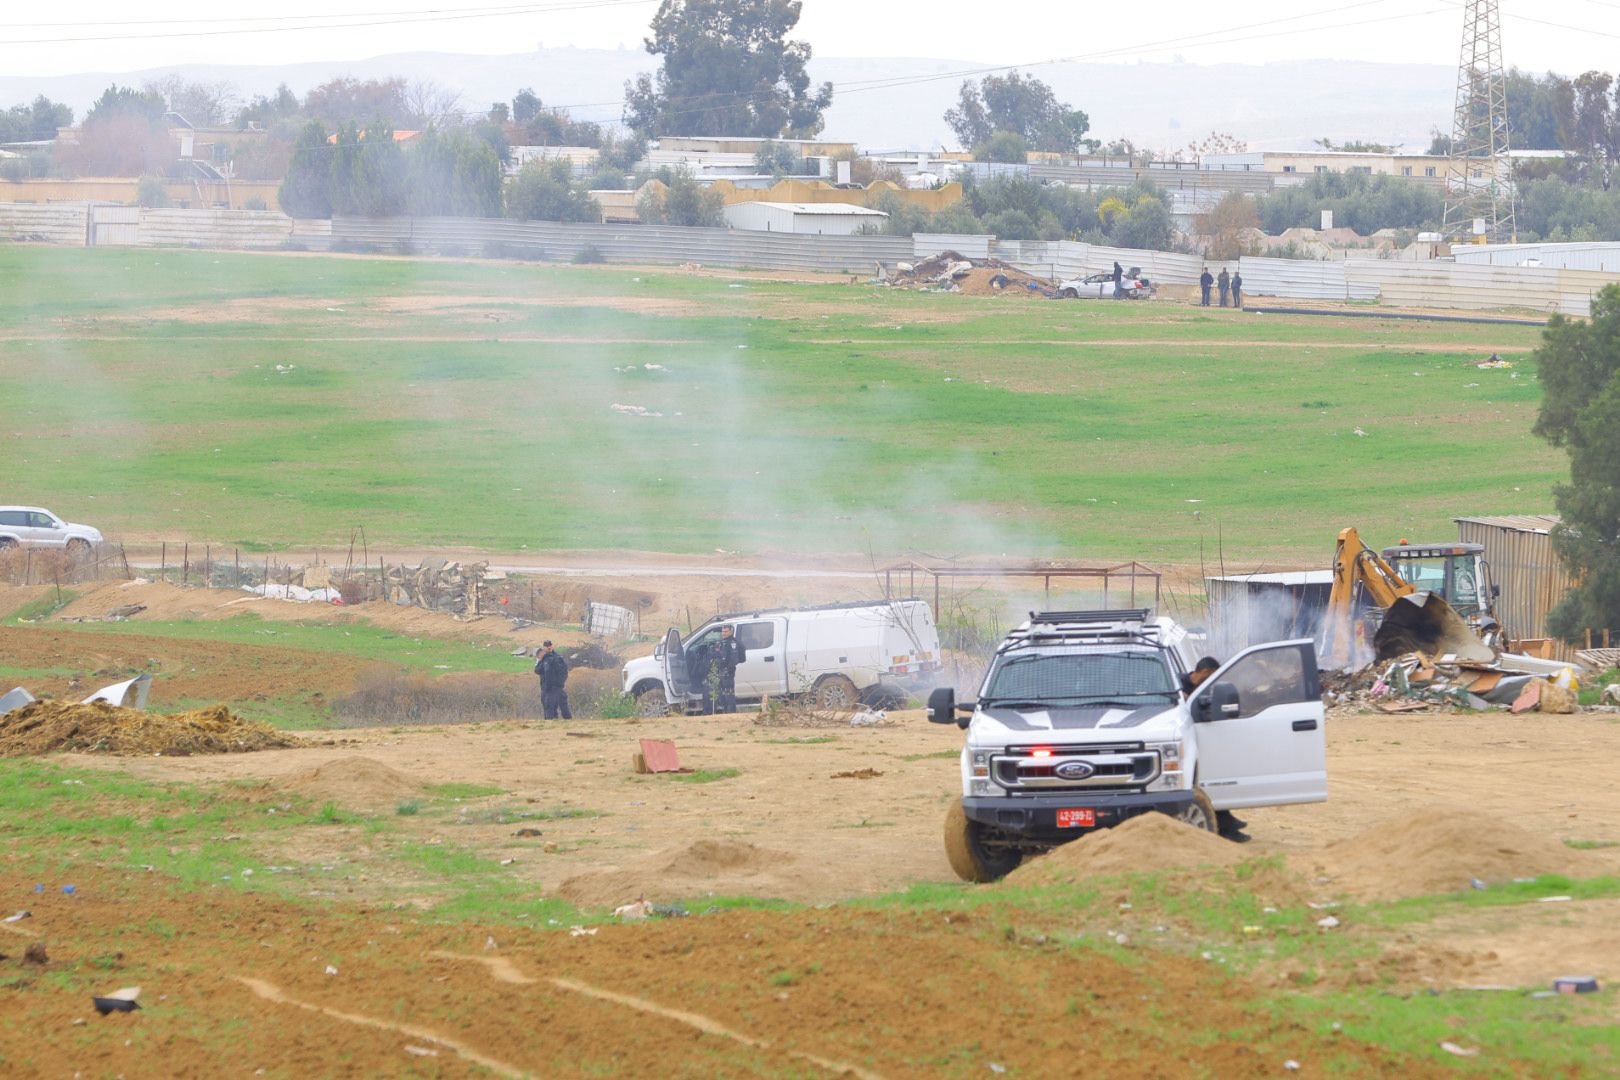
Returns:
<point x="1327" y="922"/>
<point x="1575" y="984"/>
<point x="120" y="1000"/>
<point x="1459" y="1051"/>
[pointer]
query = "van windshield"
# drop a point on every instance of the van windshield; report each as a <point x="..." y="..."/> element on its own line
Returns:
<point x="1125" y="679"/>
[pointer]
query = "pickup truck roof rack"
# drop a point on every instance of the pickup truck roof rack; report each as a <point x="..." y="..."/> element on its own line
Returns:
<point x="1125" y="626"/>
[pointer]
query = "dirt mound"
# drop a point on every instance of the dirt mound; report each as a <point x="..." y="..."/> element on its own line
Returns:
<point x="1436" y="850"/>
<point x="48" y="726"/>
<point x="998" y="281"/>
<point x="707" y="867"/>
<point x="1153" y="841"/>
<point x="353" y="781"/>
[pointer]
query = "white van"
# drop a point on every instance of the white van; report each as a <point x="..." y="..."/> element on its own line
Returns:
<point x="837" y="655"/>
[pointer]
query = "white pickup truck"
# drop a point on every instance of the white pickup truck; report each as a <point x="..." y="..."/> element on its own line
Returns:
<point x="838" y="655"/>
<point x="1081" y="723"/>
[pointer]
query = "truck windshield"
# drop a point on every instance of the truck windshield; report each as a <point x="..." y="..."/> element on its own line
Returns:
<point x="1126" y="679"/>
<point x="1450" y="576"/>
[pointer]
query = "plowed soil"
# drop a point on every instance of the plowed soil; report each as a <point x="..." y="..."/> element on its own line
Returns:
<point x="238" y="983"/>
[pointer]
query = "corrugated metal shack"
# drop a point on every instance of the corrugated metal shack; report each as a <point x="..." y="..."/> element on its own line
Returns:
<point x="1249" y="609"/>
<point x="1519" y="549"/>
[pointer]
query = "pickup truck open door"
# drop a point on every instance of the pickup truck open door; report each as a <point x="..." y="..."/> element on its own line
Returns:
<point x="1261" y="737"/>
<point x="676" y="677"/>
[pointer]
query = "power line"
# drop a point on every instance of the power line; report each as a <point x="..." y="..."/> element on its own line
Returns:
<point x="529" y="9"/>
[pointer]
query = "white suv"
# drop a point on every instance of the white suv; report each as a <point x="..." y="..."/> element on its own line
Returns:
<point x="37" y="527"/>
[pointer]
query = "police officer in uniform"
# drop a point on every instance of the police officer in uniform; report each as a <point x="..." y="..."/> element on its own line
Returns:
<point x="553" y="672"/>
<point x="728" y="653"/>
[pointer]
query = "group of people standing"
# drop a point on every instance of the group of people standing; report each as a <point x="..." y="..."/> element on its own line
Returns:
<point x="1231" y="287"/>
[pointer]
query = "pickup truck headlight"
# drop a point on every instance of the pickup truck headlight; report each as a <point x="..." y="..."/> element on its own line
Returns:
<point x="1170" y="758"/>
<point x="982" y="787"/>
<point x="979" y="760"/>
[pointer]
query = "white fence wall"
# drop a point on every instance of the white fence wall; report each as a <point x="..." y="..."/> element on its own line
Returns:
<point x="733" y="248"/>
<point x="1299" y="279"/>
<point x="964" y="244"/>
<point x="1604" y="257"/>
<point x="52" y="223"/>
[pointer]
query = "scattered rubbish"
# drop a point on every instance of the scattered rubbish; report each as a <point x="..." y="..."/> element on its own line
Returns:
<point x="528" y="833"/>
<point x="120" y="614"/>
<point x="641" y="909"/>
<point x="36" y="954"/>
<point x="1494" y="362"/>
<point x="1327" y="922"/>
<point x="508" y="862"/>
<point x="1555" y="899"/>
<point x="19" y="917"/>
<point x="633" y="410"/>
<point x="656" y="756"/>
<point x="868" y="717"/>
<point x="330" y="970"/>
<point x="69" y="890"/>
<point x="15" y="699"/>
<point x="129" y="694"/>
<point x="1459" y="1051"/>
<point x="857" y="774"/>
<point x="49" y="726"/>
<point x="1575" y="984"/>
<point x="489" y="943"/>
<point x="420" y="1051"/>
<point x="581" y="931"/>
<point x="1475" y="883"/>
<point x="1291" y="1065"/>
<point x="299" y="594"/>
<point x="997" y="1067"/>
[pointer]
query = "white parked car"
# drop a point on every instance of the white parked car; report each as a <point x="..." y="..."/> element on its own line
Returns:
<point x="1133" y="286"/>
<point x="836" y="656"/>
<point x="37" y="527"/>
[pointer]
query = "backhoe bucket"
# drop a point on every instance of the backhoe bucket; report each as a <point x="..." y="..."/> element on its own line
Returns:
<point x="1423" y="622"/>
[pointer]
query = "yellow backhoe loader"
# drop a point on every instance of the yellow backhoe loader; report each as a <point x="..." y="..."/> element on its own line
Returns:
<point x="1375" y="614"/>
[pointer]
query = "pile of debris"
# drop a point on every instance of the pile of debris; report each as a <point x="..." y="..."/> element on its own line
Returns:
<point x="1418" y="681"/>
<point x="951" y="272"/>
<point x="44" y="727"/>
<point x="437" y="585"/>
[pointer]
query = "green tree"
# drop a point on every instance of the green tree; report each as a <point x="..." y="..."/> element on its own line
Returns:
<point x="1578" y="364"/>
<point x="265" y="111"/>
<point x="123" y="135"/>
<point x="1006" y="146"/>
<point x="525" y="106"/>
<point x="368" y="172"/>
<point x="452" y="174"/>
<point x="306" y="192"/>
<point x="1023" y="105"/>
<point x="1147" y="225"/>
<point x="778" y="159"/>
<point x="1358" y="201"/>
<point x="728" y="69"/>
<point x="36" y="122"/>
<point x="546" y="191"/>
<point x="681" y="200"/>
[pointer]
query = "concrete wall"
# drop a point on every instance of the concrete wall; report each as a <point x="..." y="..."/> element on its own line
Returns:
<point x="106" y="225"/>
<point x="180" y="195"/>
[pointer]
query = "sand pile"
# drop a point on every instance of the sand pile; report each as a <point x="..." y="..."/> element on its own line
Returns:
<point x="352" y="781"/>
<point x="1145" y="842"/>
<point x="707" y="867"/>
<point x="1437" y="850"/>
<point x="48" y="726"/>
<point x="997" y="281"/>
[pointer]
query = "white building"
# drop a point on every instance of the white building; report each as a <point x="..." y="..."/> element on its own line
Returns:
<point x="830" y="219"/>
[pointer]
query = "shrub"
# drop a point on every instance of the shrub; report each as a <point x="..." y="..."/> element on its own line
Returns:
<point x="590" y="253"/>
<point x="254" y="202"/>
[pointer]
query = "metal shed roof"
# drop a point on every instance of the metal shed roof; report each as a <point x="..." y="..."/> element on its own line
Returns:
<point x="1532" y="523"/>
<point x="830" y="209"/>
<point x="1291" y="577"/>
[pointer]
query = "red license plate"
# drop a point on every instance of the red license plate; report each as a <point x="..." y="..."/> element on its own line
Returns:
<point x="1076" y="818"/>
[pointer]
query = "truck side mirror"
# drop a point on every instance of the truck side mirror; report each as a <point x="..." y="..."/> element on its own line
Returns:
<point x="1220" y="703"/>
<point x="942" y="705"/>
<point x="1496" y="591"/>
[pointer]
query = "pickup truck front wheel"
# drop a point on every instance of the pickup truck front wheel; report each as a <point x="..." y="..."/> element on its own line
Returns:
<point x="836" y="692"/>
<point x="652" y="702"/>
<point x="1200" y="813"/>
<point x="968" y="855"/>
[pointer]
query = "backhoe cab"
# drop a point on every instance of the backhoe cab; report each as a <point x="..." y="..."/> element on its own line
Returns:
<point x="1431" y="598"/>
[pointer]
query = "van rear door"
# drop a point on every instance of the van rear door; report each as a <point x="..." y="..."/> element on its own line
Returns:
<point x="764" y="666"/>
<point x="1271" y="750"/>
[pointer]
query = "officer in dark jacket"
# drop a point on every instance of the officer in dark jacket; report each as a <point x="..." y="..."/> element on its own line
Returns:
<point x="1224" y="283"/>
<point x="1119" y="274"/>
<point x="553" y="672"/>
<point x="1206" y="281"/>
<point x="1237" y="289"/>
<point x="728" y="653"/>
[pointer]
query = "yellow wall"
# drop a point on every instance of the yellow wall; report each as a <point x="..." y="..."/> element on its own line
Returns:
<point x="124" y="191"/>
<point x="819" y="191"/>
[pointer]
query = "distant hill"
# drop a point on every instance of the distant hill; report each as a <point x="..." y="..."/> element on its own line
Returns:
<point x="1271" y="106"/>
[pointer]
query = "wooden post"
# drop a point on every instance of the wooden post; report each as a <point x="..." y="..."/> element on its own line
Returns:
<point x="1588" y="637"/>
<point x="163" y="562"/>
<point x="208" y="566"/>
<point x="28" y="566"/>
<point x="238" y="581"/>
<point x="1605" y="637"/>
<point x="125" y="557"/>
<point x="185" y="564"/>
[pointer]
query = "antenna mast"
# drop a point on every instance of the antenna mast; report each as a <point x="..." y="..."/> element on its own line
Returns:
<point x="1479" y="184"/>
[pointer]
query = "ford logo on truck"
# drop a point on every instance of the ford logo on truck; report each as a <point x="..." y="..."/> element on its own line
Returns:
<point x="1074" y="770"/>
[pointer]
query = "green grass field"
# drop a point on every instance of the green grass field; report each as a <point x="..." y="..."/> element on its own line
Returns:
<point x="467" y="403"/>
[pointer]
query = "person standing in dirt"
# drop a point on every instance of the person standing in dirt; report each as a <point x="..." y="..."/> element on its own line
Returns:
<point x="728" y="653"/>
<point x="1119" y="275"/>
<point x="1206" y="281"/>
<point x="553" y="672"/>
<point x="1237" y="289"/>
<point x="1224" y="283"/>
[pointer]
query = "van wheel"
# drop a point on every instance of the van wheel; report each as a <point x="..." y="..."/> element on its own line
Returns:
<point x="837" y="692"/>
<point x="1200" y="813"/>
<point x="964" y="848"/>
<point x="7" y="543"/>
<point x="78" y="548"/>
<point x="652" y="702"/>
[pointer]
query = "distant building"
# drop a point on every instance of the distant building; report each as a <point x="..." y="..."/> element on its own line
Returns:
<point x="828" y="219"/>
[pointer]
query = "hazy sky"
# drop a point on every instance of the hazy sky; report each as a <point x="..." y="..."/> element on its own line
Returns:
<point x="116" y="35"/>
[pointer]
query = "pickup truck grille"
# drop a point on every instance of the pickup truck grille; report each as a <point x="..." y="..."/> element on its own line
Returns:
<point x="1111" y="767"/>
